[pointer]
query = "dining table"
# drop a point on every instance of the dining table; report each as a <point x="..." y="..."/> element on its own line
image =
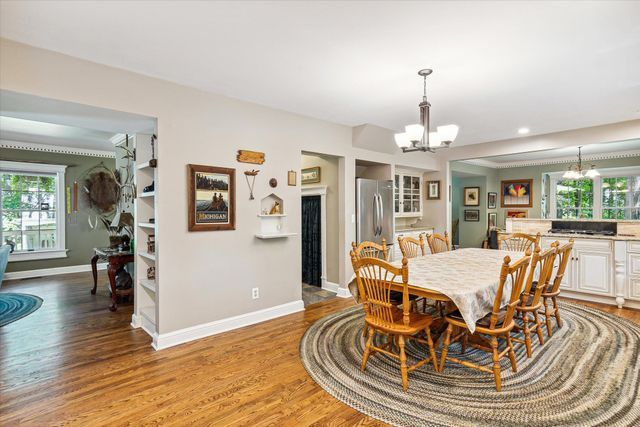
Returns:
<point x="468" y="278"/>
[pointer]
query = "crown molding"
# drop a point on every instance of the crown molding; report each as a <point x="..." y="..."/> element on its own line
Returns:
<point x="554" y="161"/>
<point x="31" y="146"/>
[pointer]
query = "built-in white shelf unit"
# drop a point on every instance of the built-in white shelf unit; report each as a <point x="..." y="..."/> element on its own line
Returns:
<point x="145" y="313"/>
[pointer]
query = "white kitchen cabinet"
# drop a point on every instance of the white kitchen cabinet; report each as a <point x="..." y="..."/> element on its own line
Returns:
<point x="407" y="198"/>
<point x="594" y="271"/>
<point x="590" y="267"/>
<point x="633" y="270"/>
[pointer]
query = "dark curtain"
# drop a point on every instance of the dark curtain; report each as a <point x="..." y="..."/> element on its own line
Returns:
<point x="311" y="255"/>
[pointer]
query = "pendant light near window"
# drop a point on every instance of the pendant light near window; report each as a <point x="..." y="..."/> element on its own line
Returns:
<point x="576" y="171"/>
<point x="418" y="137"/>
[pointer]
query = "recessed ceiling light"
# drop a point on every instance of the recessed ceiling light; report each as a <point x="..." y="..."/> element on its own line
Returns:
<point x="523" y="131"/>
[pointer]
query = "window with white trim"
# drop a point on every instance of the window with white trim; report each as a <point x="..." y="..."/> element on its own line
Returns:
<point x="32" y="217"/>
<point x="615" y="194"/>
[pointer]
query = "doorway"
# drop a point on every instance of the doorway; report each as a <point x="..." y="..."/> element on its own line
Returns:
<point x="320" y="227"/>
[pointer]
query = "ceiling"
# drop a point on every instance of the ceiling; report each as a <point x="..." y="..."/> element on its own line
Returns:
<point x="29" y="118"/>
<point x="12" y="129"/>
<point x="499" y="66"/>
<point x="559" y="155"/>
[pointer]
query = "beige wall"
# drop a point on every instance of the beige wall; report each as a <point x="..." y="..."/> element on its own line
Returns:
<point x="208" y="276"/>
<point x="329" y="176"/>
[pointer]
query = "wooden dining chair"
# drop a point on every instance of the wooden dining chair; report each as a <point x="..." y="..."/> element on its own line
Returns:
<point x="411" y="247"/>
<point x="371" y="250"/>
<point x="374" y="278"/>
<point x="497" y="324"/>
<point x="518" y="242"/>
<point x="530" y="301"/>
<point x="552" y="290"/>
<point x="438" y="243"/>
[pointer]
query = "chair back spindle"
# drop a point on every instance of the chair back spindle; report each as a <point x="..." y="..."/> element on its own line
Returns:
<point x="541" y="262"/>
<point x="563" y="255"/>
<point x="371" y="250"/>
<point x="374" y="278"/>
<point x="518" y="242"/>
<point x="411" y="247"/>
<point x="438" y="243"/>
<point x="516" y="272"/>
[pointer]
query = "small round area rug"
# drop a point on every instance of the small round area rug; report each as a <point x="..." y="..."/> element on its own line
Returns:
<point x="587" y="374"/>
<point x="16" y="306"/>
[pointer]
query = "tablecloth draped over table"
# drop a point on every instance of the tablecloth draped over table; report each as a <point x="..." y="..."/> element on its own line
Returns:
<point x="469" y="277"/>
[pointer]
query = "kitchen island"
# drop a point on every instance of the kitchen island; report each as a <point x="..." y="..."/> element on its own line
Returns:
<point x="602" y="268"/>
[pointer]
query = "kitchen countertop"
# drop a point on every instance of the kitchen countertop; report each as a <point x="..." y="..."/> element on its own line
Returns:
<point x="636" y="221"/>
<point x="588" y="236"/>
<point x="409" y="229"/>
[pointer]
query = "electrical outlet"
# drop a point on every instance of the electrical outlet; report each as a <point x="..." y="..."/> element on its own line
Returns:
<point x="255" y="293"/>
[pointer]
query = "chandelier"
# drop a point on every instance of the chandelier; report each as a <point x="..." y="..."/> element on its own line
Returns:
<point x="576" y="171"/>
<point x="418" y="137"/>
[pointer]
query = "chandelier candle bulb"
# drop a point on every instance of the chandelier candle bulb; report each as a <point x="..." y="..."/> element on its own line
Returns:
<point x="415" y="133"/>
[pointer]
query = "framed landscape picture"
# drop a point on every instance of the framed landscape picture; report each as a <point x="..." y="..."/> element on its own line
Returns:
<point x="472" y="215"/>
<point x="472" y="196"/>
<point x="433" y="190"/>
<point x="212" y="201"/>
<point x="492" y="220"/>
<point x="492" y="200"/>
<point x="516" y="193"/>
<point x="310" y="175"/>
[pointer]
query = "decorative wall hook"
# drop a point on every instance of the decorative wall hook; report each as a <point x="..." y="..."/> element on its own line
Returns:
<point x="252" y="173"/>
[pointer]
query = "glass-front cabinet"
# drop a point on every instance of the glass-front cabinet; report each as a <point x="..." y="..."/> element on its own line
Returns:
<point x="407" y="195"/>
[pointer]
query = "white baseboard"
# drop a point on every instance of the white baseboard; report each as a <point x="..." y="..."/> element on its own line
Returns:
<point x="181" y="336"/>
<point x="603" y="299"/>
<point x="344" y="293"/>
<point x="27" y="274"/>
<point x="330" y="286"/>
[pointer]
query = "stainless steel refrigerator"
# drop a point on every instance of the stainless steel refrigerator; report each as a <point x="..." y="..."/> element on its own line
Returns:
<point x="374" y="210"/>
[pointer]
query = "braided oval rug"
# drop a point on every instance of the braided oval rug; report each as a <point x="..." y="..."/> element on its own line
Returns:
<point x="587" y="374"/>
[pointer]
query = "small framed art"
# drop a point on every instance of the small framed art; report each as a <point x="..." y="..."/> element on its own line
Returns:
<point x="433" y="190"/>
<point x="472" y="215"/>
<point x="310" y="175"/>
<point x="492" y="220"/>
<point x="472" y="196"/>
<point x="492" y="200"/>
<point x="292" y="178"/>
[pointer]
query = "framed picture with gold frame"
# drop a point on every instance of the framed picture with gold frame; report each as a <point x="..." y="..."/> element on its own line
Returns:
<point x="310" y="175"/>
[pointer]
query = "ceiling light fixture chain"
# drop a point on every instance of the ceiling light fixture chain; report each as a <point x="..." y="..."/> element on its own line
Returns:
<point x="418" y="137"/>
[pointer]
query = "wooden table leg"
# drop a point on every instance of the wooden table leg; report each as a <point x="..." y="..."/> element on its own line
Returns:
<point x="94" y="270"/>
<point x="111" y="271"/>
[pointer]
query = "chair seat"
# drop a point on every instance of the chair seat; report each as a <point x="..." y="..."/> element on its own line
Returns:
<point x="396" y="296"/>
<point x="529" y="303"/>
<point x="484" y="322"/>
<point x="417" y="322"/>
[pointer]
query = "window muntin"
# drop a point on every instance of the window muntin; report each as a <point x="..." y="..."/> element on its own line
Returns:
<point x="31" y="209"/>
<point x="621" y="197"/>
<point x="574" y="199"/>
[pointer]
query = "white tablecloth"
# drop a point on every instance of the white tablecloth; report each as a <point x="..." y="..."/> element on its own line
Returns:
<point x="469" y="277"/>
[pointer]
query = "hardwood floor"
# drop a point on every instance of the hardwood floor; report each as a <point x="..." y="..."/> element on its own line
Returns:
<point x="74" y="362"/>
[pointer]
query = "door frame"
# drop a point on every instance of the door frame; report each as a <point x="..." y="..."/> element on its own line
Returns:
<point x="321" y="190"/>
